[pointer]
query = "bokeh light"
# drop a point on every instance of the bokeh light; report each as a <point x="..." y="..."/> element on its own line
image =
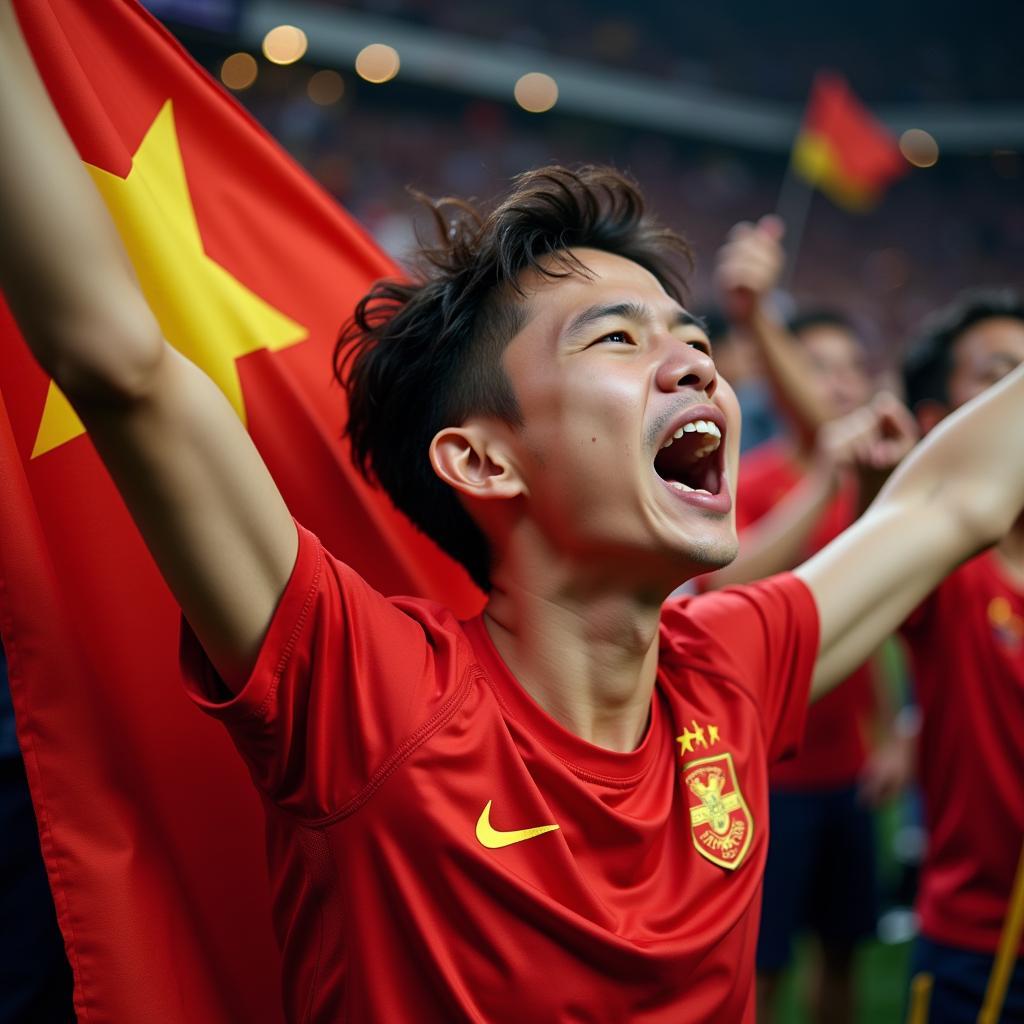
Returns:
<point x="536" y="92"/>
<point x="239" y="71"/>
<point x="285" y="44"/>
<point x="919" y="148"/>
<point x="325" y="87"/>
<point x="377" y="63"/>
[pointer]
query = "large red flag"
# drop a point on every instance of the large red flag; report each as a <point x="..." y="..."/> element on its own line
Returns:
<point x="151" y="830"/>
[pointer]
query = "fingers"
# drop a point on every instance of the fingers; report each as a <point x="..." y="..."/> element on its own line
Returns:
<point x="847" y="441"/>
<point x="875" y="437"/>
<point x="749" y="264"/>
<point x="774" y="225"/>
<point x="881" y="781"/>
<point x="897" y="430"/>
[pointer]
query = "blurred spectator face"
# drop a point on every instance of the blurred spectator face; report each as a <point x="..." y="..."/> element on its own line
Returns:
<point x="736" y="358"/>
<point x="985" y="353"/>
<point x="837" y="363"/>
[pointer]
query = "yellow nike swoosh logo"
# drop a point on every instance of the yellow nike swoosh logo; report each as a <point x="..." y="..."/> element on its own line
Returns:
<point x="495" y="840"/>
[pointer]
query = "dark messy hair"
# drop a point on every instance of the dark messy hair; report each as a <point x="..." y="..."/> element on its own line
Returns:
<point x="426" y="353"/>
<point x="929" y="361"/>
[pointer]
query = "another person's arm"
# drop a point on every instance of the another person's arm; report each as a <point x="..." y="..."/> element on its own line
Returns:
<point x="890" y="764"/>
<point x="871" y="440"/>
<point x="208" y="509"/>
<point x="957" y="493"/>
<point x="747" y="270"/>
<point x="778" y="540"/>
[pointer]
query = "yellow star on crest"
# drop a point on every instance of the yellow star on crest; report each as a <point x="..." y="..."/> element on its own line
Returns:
<point x="203" y="311"/>
<point x="698" y="734"/>
<point x="686" y="742"/>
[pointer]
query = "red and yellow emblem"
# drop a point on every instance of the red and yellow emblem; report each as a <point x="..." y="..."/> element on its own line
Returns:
<point x="720" y="820"/>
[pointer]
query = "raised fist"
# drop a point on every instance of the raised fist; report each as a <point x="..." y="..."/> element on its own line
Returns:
<point x="748" y="266"/>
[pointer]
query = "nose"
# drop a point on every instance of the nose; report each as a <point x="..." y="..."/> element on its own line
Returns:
<point x="684" y="365"/>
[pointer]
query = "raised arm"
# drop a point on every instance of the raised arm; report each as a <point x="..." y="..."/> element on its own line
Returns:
<point x="747" y="269"/>
<point x="958" y="492"/>
<point x="192" y="479"/>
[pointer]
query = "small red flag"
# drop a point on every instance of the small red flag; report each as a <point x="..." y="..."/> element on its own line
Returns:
<point x="151" y="829"/>
<point x="843" y="149"/>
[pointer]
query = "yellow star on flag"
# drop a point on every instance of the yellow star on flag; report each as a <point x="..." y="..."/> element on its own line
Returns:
<point x="203" y="311"/>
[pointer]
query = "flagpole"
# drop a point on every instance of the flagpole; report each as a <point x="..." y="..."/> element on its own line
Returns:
<point x="793" y="208"/>
<point x="1006" y="956"/>
<point x="920" y="998"/>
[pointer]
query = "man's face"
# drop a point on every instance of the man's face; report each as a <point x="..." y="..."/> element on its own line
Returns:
<point x="837" y="365"/>
<point x="984" y="354"/>
<point x="607" y="371"/>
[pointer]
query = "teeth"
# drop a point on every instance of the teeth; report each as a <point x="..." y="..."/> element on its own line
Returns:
<point x="680" y="486"/>
<point x="699" y="427"/>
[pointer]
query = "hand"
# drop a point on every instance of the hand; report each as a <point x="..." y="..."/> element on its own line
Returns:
<point x="894" y="435"/>
<point x="872" y="440"/>
<point x="841" y="443"/>
<point x="748" y="266"/>
<point x="888" y="771"/>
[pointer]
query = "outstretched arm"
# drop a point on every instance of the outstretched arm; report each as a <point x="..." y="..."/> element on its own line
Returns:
<point x="958" y="492"/>
<point x="192" y="479"/>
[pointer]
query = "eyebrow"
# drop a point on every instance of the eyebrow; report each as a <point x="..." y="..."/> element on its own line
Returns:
<point x="635" y="311"/>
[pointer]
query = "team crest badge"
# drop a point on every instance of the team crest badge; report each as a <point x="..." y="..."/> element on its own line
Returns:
<point x="720" y="820"/>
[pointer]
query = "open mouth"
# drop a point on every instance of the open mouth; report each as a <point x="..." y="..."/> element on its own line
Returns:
<point x="691" y="459"/>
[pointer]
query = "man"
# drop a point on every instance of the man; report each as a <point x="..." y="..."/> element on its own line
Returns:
<point x="557" y="810"/>
<point x="797" y="493"/>
<point x="966" y="645"/>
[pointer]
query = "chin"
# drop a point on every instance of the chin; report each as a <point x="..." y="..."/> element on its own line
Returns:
<point x="709" y="555"/>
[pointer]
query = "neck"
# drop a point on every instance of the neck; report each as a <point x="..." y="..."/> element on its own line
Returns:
<point x="587" y="656"/>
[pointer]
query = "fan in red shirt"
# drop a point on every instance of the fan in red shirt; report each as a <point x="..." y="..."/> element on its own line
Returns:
<point x="516" y="869"/>
<point x="557" y="808"/>
<point x="797" y="493"/>
<point x="966" y="645"/>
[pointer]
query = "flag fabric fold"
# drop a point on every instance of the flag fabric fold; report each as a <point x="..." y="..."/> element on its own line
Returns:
<point x="151" y="829"/>
<point x="843" y="149"/>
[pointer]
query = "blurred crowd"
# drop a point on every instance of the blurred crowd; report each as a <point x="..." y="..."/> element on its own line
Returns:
<point x="750" y="47"/>
<point x="958" y="224"/>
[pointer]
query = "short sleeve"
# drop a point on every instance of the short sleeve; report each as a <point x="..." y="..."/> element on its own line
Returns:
<point x="344" y="677"/>
<point x="763" y="637"/>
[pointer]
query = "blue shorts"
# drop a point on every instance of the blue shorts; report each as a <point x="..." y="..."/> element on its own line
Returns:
<point x="820" y="874"/>
<point x="961" y="976"/>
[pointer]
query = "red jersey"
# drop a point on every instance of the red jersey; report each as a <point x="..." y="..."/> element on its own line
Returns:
<point x="966" y="645"/>
<point x="441" y="850"/>
<point x="835" y="743"/>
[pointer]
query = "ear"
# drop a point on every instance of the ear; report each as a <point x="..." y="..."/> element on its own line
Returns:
<point x="475" y="462"/>
<point x="929" y="413"/>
